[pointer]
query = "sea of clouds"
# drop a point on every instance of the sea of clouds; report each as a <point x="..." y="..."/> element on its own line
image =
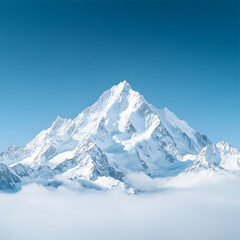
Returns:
<point x="170" y="210"/>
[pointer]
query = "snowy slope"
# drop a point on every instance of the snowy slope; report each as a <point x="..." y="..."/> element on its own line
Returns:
<point x="118" y="134"/>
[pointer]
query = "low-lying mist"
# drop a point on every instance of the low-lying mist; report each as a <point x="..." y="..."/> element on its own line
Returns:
<point x="208" y="211"/>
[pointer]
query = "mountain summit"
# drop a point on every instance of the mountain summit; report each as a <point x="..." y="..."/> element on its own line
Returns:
<point x="119" y="134"/>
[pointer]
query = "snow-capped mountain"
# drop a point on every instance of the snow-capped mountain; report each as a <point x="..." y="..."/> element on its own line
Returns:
<point x="119" y="134"/>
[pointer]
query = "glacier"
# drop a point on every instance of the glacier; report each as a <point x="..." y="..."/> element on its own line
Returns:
<point x="120" y="134"/>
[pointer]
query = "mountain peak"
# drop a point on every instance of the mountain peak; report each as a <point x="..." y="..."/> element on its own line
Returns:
<point x="122" y="86"/>
<point x="113" y="95"/>
<point x="223" y="143"/>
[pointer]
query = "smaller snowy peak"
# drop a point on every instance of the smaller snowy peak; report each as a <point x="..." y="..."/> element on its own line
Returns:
<point x="10" y="155"/>
<point x="217" y="156"/>
<point x="10" y="149"/>
<point x="208" y="158"/>
<point x="226" y="147"/>
<point x="230" y="156"/>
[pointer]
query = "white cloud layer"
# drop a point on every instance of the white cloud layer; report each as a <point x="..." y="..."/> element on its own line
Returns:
<point x="203" y="212"/>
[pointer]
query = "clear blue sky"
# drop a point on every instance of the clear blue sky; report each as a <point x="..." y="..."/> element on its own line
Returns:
<point x="57" y="57"/>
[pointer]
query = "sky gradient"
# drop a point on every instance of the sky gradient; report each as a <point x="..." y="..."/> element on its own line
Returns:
<point x="57" y="57"/>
